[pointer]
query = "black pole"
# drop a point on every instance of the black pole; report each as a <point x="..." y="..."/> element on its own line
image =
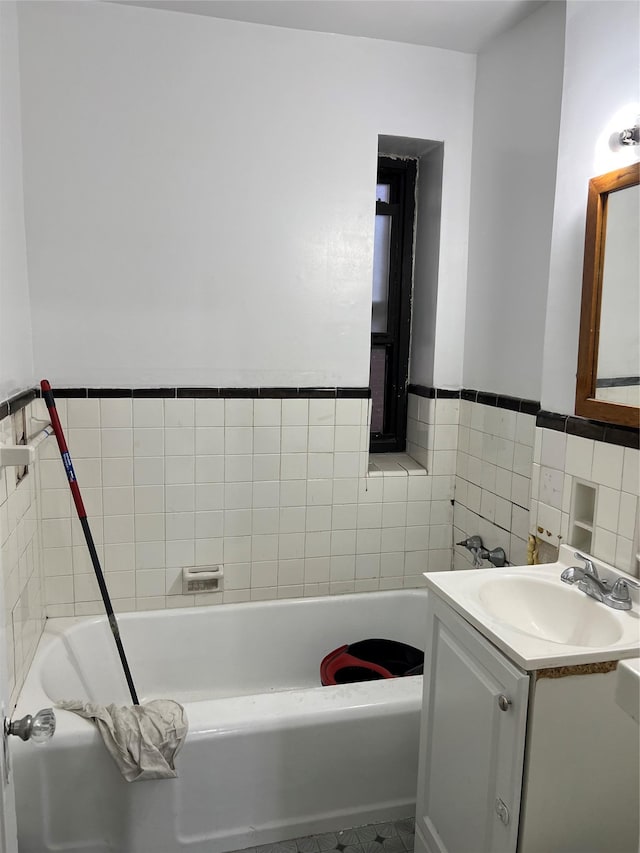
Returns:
<point x="47" y="394"/>
<point x="111" y="616"/>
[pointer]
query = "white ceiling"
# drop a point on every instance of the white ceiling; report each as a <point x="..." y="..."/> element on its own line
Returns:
<point x="465" y="25"/>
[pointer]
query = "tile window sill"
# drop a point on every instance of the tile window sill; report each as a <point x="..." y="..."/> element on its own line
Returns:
<point x="394" y="465"/>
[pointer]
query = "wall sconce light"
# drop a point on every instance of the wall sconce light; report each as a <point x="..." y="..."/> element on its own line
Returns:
<point x="630" y="136"/>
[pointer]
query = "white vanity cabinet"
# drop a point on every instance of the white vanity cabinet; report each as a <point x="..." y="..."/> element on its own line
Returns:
<point x="472" y="740"/>
<point x="520" y="762"/>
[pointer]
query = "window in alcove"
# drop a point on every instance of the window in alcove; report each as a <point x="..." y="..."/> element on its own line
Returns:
<point x="391" y="308"/>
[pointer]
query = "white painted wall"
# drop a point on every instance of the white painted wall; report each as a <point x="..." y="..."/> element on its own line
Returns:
<point x="199" y="194"/>
<point x="515" y="134"/>
<point x="16" y="359"/>
<point x="601" y="95"/>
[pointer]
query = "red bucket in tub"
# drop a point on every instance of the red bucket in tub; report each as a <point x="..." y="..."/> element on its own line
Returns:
<point x="369" y="660"/>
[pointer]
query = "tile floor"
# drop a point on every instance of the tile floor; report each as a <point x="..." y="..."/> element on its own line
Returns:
<point x="386" y="837"/>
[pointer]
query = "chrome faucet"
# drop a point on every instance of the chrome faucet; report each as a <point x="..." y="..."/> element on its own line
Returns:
<point x="614" y="595"/>
<point x="593" y="586"/>
<point x="576" y="574"/>
<point x="474" y="544"/>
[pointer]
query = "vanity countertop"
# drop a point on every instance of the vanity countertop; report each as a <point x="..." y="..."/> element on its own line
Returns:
<point x="538" y="621"/>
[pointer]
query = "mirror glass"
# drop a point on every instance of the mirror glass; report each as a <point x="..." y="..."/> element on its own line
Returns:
<point x="608" y="375"/>
<point x="618" y="361"/>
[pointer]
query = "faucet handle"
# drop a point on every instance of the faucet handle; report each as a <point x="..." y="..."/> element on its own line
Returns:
<point x="619" y="597"/>
<point x="621" y="588"/>
<point x="589" y="568"/>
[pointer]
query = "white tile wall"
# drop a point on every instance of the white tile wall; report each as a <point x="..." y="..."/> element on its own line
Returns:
<point x="21" y="559"/>
<point x="561" y="461"/>
<point x="514" y="479"/>
<point x="274" y="489"/>
<point x="493" y="480"/>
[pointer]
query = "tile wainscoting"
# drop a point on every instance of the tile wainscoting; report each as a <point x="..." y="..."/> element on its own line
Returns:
<point x="493" y="479"/>
<point x="273" y="488"/>
<point x="517" y="474"/>
<point x="562" y="461"/>
<point x="21" y="562"/>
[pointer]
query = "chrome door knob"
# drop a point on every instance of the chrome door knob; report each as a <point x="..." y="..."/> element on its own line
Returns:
<point x="503" y="702"/>
<point x="38" y="729"/>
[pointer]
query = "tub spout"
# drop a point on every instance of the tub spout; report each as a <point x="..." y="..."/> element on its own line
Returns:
<point x="472" y="543"/>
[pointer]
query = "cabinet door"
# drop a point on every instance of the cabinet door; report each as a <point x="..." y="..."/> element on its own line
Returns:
<point x="471" y="751"/>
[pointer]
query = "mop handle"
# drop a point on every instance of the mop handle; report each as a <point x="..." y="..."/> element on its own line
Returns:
<point x="47" y="395"/>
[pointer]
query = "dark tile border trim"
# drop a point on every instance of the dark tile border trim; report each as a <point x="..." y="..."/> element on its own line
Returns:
<point x="14" y="404"/>
<point x="486" y="398"/>
<point x="108" y="393"/>
<point x="70" y="393"/>
<point x="626" y="437"/>
<point x="279" y="393"/>
<point x="552" y="420"/>
<point x="594" y="430"/>
<point x="239" y="393"/>
<point x="570" y="424"/>
<point x="433" y="393"/>
<point x="197" y="393"/>
<point x="511" y="403"/>
<point x="7" y="407"/>
<point x="152" y="393"/>
<point x="529" y="407"/>
<point x="422" y="391"/>
<point x="210" y="393"/>
<point x="584" y="428"/>
<point x="353" y="393"/>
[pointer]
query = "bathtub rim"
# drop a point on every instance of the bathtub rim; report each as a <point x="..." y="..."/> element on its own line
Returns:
<point x="272" y="709"/>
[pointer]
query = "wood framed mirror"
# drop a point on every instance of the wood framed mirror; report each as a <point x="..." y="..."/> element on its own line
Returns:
<point x="608" y="378"/>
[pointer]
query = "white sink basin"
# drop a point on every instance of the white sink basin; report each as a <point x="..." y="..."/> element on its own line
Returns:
<point x="551" y="611"/>
<point x="538" y="620"/>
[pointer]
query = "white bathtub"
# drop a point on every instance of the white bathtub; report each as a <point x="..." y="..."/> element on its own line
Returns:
<point x="270" y="754"/>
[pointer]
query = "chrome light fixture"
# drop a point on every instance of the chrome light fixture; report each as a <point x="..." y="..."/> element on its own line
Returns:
<point x="630" y="136"/>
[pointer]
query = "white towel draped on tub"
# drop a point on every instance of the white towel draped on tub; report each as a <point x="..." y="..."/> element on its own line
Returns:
<point x="142" y="739"/>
